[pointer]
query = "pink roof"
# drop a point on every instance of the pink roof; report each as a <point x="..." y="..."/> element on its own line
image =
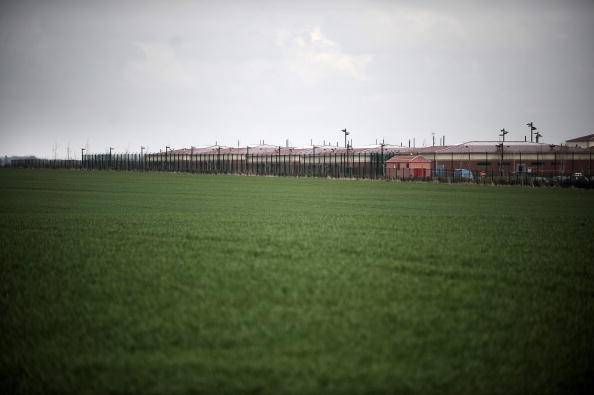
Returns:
<point x="408" y="158"/>
<point x="512" y="146"/>
<point x="589" y="137"/>
<point x="469" y="147"/>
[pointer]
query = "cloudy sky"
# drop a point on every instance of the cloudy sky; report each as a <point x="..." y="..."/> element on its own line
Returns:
<point x="180" y="73"/>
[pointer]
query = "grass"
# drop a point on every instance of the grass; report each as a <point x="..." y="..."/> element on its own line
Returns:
<point x="115" y="282"/>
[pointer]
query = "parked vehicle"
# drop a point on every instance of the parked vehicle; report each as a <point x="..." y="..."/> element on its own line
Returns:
<point x="463" y="174"/>
<point x="541" y="180"/>
<point x="577" y="176"/>
<point x="560" y="178"/>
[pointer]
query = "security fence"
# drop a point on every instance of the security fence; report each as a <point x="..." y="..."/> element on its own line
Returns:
<point x="489" y="167"/>
<point x="45" y="163"/>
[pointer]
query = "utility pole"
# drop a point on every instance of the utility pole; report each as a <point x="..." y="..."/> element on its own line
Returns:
<point x="532" y="129"/>
<point x="503" y="133"/>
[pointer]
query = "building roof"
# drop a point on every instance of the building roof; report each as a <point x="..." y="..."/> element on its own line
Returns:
<point x="407" y="159"/>
<point x="508" y="146"/>
<point x="589" y="137"/>
<point x="467" y="147"/>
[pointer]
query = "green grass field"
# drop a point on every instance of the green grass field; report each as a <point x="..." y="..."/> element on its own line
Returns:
<point x="115" y="282"/>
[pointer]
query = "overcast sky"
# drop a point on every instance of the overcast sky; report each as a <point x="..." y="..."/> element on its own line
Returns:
<point x="182" y="73"/>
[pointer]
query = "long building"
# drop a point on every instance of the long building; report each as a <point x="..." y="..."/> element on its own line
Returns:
<point x="482" y="157"/>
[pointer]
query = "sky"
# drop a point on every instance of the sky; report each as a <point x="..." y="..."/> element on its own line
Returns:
<point x="126" y="74"/>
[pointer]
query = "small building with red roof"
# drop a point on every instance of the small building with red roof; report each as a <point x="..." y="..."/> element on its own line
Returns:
<point x="408" y="166"/>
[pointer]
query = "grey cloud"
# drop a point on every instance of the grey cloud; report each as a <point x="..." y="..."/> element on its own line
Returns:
<point x="191" y="72"/>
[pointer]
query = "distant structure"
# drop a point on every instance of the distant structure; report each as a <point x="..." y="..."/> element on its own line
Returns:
<point x="586" y="142"/>
<point x="483" y="158"/>
<point x="7" y="160"/>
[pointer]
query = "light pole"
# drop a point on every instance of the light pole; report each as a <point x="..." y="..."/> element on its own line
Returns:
<point x="166" y="158"/>
<point x="218" y="157"/>
<point x="82" y="155"/>
<point x="532" y="129"/>
<point x="345" y="137"/>
<point x="382" y="160"/>
<point x="500" y="146"/>
<point x="142" y="148"/>
<point x="537" y="135"/>
<point x="503" y="133"/>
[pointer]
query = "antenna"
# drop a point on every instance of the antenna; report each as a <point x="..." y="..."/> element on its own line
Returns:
<point x="537" y="135"/>
<point x="503" y="133"/>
